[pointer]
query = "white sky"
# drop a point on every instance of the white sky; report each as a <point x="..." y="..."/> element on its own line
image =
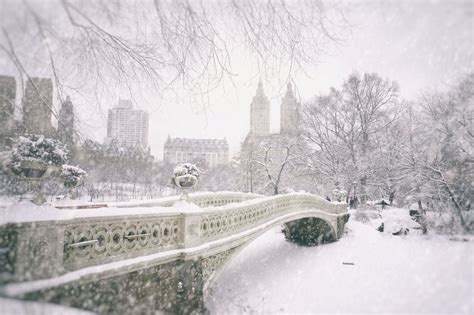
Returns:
<point x="420" y="44"/>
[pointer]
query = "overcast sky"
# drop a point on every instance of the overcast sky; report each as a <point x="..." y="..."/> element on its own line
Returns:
<point x="421" y="44"/>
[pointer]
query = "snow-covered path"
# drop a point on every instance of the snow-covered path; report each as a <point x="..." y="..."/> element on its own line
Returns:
<point x="391" y="274"/>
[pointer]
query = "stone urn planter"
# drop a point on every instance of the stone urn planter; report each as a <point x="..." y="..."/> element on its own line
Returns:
<point x="185" y="177"/>
<point x="185" y="181"/>
<point x="72" y="177"/>
<point x="33" y="172"/>
<point x="32" y="159"/>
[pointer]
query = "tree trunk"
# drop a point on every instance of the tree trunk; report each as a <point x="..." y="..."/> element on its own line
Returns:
<point x="422" y="218"/>
<point x="391" y="197"/>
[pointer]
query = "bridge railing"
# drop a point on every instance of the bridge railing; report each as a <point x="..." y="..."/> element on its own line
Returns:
<point x="202" y="199"/>
<point x="212" y="224"/>
<point x="44" y="249"/>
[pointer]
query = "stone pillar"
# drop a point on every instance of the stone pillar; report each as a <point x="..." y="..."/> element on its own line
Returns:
<point x="191" y="230"/>
<point x="39" y="251"/>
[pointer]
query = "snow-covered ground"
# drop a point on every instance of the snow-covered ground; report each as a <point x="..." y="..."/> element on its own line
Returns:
<point x="16" y="307"/>
<point x="391" y="274"/>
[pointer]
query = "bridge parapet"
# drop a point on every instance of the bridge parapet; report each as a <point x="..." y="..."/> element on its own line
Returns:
<point x="231" y="219"/>
<point x="46" y="249"/>
<point x="202" y="199"/>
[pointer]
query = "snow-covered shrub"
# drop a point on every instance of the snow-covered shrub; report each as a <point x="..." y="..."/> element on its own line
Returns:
<point x="339" y="195"/>
<point x="72" y="175"/>
<point x="36" y="148"/>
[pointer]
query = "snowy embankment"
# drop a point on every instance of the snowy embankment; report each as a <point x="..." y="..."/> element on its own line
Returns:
<point x="390" y="274"/>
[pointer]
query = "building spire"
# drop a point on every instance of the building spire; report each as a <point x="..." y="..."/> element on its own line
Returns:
<point x="289" y="90"/>
<point x="260" y="91"/>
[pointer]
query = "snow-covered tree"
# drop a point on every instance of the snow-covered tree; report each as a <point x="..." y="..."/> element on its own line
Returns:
<point x="449" y="171"/>
<point x="341" y="130"/>
<point x="270" y="163"/>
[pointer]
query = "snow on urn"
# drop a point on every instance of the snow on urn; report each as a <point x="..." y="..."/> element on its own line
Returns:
<point x="33" y="158"/>
<point x="72" y="177"/>
<point x="185" y="177"/>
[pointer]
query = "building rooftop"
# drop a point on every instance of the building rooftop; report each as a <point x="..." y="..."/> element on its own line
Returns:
<point x="124" y="104"/>
<point x="196" y="142"/>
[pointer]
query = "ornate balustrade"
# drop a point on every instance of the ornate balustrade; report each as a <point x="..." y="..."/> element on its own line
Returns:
<point x="208" y="199"/>
<point x="228" y="220"/>
<point x="37" y="250"/>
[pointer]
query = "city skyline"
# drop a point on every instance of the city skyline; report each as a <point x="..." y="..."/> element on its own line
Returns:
<point x="400" y="43"/>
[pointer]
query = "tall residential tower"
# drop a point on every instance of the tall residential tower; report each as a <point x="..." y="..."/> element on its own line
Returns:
<point x="37" y="106"/>
<point x="127" y="125"/>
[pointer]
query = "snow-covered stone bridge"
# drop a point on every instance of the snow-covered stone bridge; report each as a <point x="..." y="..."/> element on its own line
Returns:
<point x="183" y="244"/>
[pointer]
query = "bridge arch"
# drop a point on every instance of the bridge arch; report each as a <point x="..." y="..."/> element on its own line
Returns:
<point x="321" y="225"/>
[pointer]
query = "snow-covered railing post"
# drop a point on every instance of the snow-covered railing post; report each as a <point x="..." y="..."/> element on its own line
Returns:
<point x="35" y="250"/>
<point x="191" y="229"/>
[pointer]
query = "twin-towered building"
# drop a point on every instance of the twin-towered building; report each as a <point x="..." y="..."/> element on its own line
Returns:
<point x="260" y="143"/>
<point x="290" y="112"/>
<point x="215" y="152"/>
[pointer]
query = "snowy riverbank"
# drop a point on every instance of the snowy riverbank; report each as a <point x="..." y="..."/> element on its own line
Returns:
<point x="390" y="274"/>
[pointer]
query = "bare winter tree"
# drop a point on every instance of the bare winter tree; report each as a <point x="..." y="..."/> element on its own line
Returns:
<point x="330" y="140"/>
<point x="273" y="169"/>
<point x="341" y="129"/>
<point x="271" y="164"/>
<point x="373" y="102"/>
<point x="449" y="171"/>
<point x="92" y="47"/>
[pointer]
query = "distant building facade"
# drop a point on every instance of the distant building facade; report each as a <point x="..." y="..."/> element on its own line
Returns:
<point x="66" y="123"/>
<point x="127" y="125"/>
<point x="7" y="98"/>
<point x="179" y="150"/>
<point x="7" y="109"/>
<point x="37" y="106"/>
